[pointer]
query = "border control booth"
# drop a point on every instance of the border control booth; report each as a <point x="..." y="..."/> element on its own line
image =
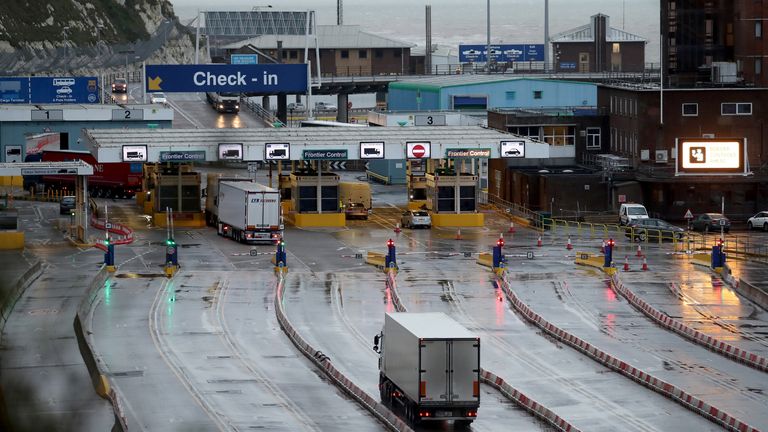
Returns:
<point x="315" y="198"/>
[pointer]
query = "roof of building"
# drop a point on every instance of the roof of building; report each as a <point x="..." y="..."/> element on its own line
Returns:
<point x="438" y="82"/>
<point x="328" y="37"/>
<point x="586" y="33"/>
<point x="437" y="51"/>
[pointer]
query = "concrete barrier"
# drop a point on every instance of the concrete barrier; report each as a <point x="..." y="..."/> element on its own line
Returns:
<point x="674" y="393"/>
<point x="485" y="259"/>
<point x="521" y="399"/>
<point x="721" y="347"/>
<point x="381" y="412"/>
<point x="17" y="290"/>
<point x="753" y="293"/>
<point x="375" y="259"/>
<point x="81" y="324"/>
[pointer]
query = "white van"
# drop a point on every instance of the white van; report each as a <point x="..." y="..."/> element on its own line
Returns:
<point x="630" y="212"/>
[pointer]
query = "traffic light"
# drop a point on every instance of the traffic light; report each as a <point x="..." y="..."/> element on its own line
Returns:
<point x="170" y="242"/>
<point x="500" y="242"/>
<point x="609" y="253"/>
<point x="720" y="243"/>
<point x="390" y="243"/>
<point x="390" y="261"/>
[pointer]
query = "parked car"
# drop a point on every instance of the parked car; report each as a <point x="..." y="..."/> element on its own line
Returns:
<point x="759" y="221"/>
<point x="355" y="211"/>
<point x="711" y="222"/>
<point x="158" y="98"/>
<point x="119" y="85"/>
<point x="416" y="218"/>
<point x="324" y="106"/>
<point x="629" y="212"/>
<point x="296" y="106"/>
<point x="66" y="204"/>
<point x="651" y="228"/>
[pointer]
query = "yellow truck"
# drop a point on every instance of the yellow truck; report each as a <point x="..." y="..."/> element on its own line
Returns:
<point x="355" y="199"/>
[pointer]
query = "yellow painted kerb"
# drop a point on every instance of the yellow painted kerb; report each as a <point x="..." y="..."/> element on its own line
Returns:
<point x="11" y="240"/>
<point x="305" y="220"/>
<point x="458" y="220"/>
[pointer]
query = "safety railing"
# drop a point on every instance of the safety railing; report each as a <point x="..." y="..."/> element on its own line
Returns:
<point x="268" y="117"/>
<point x="511" y="208"/>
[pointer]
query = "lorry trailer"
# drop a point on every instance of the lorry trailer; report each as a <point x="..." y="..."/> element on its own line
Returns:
<point x="212" y="196"/>
<point x="429" y="368"/>
<point x="249" y="212"/>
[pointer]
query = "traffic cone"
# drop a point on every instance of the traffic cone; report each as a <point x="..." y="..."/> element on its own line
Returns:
<point x="645" y="264"/>
<point x="538" y="242"/>
<point x="626" y="263"/>
<point x="602" y="247"/>
<point x="639" y="251"/>
<point x="458" y="233"/>
<point x="397" y="228"/>
<point x="569" y="246"/>
<point x="511" y="228"/>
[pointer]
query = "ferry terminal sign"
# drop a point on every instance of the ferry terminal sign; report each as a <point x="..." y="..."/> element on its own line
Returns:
<point x="468" y="153"/>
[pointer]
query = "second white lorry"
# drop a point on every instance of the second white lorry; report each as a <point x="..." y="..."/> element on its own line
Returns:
<point x="429" y="368"/>
<point x="249" y="212"/>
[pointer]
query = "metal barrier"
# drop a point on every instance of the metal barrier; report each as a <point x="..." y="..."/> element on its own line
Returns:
<point x="265" y="115"/>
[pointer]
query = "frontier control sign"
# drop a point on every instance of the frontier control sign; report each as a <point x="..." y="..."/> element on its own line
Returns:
<point x="324" y="154"/>
<point x="468" y="153"/>
<point x="267" y="79"/>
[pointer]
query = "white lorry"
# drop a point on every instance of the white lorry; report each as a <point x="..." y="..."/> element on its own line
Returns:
<point x="224" y="102"/>
<point x="429" y="368"/>
<point x="249" y="212"/>
<point x="212" y="195"/>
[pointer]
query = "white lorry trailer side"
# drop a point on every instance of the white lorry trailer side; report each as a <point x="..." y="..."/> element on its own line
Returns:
<point x="429" y="368"/>
<point x="212" y="196"/>
<point x="249" y="212"/>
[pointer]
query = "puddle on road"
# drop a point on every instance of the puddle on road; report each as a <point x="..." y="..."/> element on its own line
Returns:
<point x="138" y="275"/>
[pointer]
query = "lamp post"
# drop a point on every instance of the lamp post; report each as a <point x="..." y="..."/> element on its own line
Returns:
<point x="488" y="41"/>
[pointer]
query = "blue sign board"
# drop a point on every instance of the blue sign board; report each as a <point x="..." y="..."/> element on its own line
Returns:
<point x="14" y="90"/>
<point x="64" y="90"/>
<point x="256" y="79"/>
<point x="241" y="59"/>
<point x="501" y="53"/>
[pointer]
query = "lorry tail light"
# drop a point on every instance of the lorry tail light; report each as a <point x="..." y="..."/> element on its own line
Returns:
<point x="423" y="389"/>
<point x="476" y="388"/>
<point x="424" y="414"/>
<point x="471" y="413"/>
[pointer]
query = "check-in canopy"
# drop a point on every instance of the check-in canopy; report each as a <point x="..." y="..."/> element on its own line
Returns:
<point x="175" y="145"/>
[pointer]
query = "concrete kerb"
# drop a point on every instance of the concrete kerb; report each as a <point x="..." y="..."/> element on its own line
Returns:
<point x="516" y="396"/>
<point x="81" y="324"/>
<point x="720" y="347"/>
<point x="387" y="417"/>
<point x="688" y="401"/>
<point x="17" y="290"/>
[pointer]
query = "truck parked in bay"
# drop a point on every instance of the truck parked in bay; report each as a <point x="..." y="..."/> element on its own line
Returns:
<point x="429" y="368"/>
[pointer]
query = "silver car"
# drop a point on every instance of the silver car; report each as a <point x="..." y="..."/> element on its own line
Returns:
<point x="758" y="221"/>
<point x="416" y="218"/>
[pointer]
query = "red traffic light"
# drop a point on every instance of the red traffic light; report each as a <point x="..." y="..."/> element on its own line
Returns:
<point x="390" y="243"/>
<point x="611" y="243"/>
<point x="720" y="242"/>
<point x="500" y="242"/>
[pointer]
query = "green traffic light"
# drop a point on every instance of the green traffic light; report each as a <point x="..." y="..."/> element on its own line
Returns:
<point x="170" y="242"/>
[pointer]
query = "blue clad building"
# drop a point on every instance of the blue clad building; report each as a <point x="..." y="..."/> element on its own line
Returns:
<point x="483" y="92"/>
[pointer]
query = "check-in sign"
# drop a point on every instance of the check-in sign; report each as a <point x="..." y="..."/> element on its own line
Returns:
<point x="134" y="153"/>
<point x="324" y="154"/>
<point x="247" y="78"/>
<point x="372" y="150"/>
<point x="710" y="156"/>
<point x="468" y="153"/>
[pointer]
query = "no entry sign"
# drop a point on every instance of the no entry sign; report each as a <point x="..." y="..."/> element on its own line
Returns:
<point x="418" y="150"/>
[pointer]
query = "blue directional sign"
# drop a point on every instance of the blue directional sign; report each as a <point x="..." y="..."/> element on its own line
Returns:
<point x="64" y="90"/>
<point x="256" y="79"/>
<point x="241" y="59"/>
<point x="14" y="90"/>
<point x="501" y="53"/>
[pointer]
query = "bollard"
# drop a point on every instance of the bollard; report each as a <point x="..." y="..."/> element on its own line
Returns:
<point x="639" y="251"/>
<point x="397" y="228"/>
<point x="602" y="247"/>
<point x="511" y="228"/>
<point x="458" y="233"/>
<point x="538" y="242"/>
<point x="569" y="246"/>
<point x="626" y="263"/>
<point x="645" y="264"/>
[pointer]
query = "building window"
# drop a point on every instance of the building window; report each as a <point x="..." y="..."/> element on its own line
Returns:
<point x="758" y="66"/>
<point x="758" y="29"/>
<point x="537" y="94"/>
<point x="532" y="132"/>
<point x="690" y="110"/>
<point x="742" y="108"/>
<point x="616" y="48"/>
<point x="613" y="139"/>
<point x="379" y="53"/>
<point x="344" y="53"/>
<point x="362" y="54"/>
<point x="559" y="135"/>
<point x="294" y="54"/>
<point x="398" y="54"/>
<point x="510" y="95"/>
<point x="284" y="54"/>
<point x="593" y="138"/>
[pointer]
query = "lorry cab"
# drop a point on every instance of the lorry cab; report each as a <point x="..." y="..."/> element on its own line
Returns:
<point x="629" y="212"/>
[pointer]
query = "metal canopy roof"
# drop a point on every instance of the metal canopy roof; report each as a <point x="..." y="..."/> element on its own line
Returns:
<point x="107" y="144"/>
<point x="77" y="167"/>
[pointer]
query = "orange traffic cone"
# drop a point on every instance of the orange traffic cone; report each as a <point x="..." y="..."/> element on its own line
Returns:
<point x="639" y="251"/>
<point x="397" y="228"/>
<point x="511" y="228"/>
<point x="569" y="246"/>
<point x="645" y="264"/>
<point x="538" y="242"/>
<point x="458" y="233"/>
<point x="602" y="247"/>
<point x="626" y="263"/>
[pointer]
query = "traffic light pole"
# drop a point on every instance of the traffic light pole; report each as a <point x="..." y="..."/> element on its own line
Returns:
<point x="171" y="248"/>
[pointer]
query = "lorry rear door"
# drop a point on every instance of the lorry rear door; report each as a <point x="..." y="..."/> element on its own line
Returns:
<point x="465" y="364"/>
<point x="433" y="383"/>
